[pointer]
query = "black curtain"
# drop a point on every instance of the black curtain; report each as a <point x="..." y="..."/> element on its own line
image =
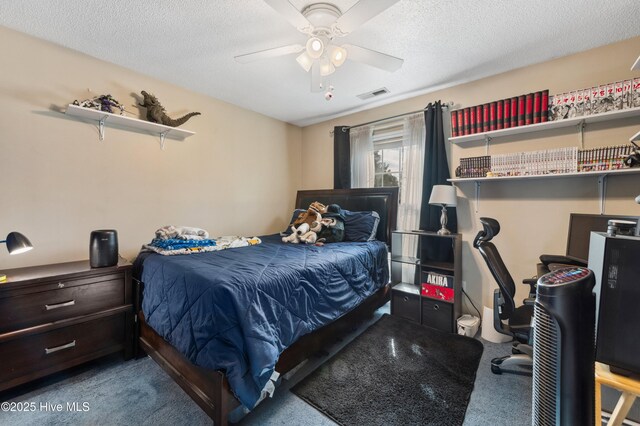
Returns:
<point x="341" y="158"/>
<point x="436" y="170"/>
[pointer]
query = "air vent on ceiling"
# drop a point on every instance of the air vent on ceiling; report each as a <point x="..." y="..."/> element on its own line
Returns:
<point x="373" y="93"/>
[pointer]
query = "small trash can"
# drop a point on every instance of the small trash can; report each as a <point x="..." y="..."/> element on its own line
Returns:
<point x="468" y="325"/>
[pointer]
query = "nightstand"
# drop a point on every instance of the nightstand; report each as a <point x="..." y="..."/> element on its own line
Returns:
<point x="426" y="278"/>
<point x="53" y="317"/>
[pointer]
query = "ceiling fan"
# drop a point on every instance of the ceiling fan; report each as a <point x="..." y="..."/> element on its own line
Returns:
<point x="323" y="23"/>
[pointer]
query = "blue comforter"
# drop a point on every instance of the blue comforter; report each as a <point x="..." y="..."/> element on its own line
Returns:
<point x="236" y="310"/>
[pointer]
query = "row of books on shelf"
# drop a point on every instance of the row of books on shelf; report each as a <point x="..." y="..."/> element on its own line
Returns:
<point x="512" y="112"/>
<point x="595" y="100"/>
<point x="539" y="107"/>
<point x="544" y="162"/>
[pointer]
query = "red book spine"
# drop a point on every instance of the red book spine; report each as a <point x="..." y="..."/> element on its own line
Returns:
<point x="544" y="106"/>
<point x="478" y="118"/>
<point x="507" y="113"/>
<point x="492" y="115"/>
<point x="466" y="120"/>
<point x="454" y="124"/>
<point x="521" y="110"/>
<point x="485" y="118"/>
<point x="472" y="120"/>
<point x="500" y="114"/>
<point x="514" y="111"/>
<point x="537" y="107"/>
<point x="528" y="117"/>
<point x="460" y="122"/>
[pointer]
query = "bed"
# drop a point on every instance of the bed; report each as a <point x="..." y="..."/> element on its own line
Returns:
<point x="271" y="323"/>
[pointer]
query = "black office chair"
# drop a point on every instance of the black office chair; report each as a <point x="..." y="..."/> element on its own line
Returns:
<point x="507" y="319"/>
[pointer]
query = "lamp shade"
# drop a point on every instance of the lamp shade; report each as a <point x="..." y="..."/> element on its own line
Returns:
<point x="443" y="195"/>
<point x="17" y="243"/>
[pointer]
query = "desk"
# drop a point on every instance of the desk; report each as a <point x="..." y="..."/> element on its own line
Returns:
<point x="629" y="386"/>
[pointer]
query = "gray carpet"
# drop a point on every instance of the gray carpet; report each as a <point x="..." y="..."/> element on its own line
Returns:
<point x="138" y="392"/>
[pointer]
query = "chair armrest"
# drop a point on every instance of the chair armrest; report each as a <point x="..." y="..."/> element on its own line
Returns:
<point x="532" y="285"/>
<point x="530" y="301"/>
<point x="548" y="259"/>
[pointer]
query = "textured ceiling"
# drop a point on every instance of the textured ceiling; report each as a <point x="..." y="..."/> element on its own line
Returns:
<point x="192" y="43"/>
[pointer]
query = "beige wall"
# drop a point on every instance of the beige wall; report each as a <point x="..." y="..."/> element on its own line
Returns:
<point x="237" y="175"/>
<point x="534" y="215"/>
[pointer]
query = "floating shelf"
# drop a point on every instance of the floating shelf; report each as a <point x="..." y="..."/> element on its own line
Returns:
<point x="557" y="175"/>
<point x="548" y="125"/>
<point x="131" y="123"/>
<point x="600" y="174"/>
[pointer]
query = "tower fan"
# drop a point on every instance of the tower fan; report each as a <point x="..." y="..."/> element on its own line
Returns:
<point x="564" y="348"/>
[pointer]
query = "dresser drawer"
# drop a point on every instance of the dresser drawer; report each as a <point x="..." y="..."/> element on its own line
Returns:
<point x="437" y="314"/>
<point x="405" y="305"/>
<point x="59" y="300"/>
<point x="36" y="355"/>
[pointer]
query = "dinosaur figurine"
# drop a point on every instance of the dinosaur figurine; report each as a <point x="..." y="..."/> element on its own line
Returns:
<point x="156" y="112"/>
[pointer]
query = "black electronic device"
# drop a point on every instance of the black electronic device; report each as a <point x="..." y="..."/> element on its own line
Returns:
<point x="103" y="248"/>
<point x="563" y="348"/>
<point x="580" y="228"/>
<point x="618" y="320"/>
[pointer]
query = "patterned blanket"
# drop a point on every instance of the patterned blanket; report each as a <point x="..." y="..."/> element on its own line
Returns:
<point x="175" y="246"/>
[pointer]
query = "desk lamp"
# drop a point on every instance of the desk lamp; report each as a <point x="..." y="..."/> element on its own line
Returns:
<point x="445" y="196"/>
<point x="16" y="244"/>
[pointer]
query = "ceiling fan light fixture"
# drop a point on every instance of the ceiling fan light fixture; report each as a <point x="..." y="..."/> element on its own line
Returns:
<point x="305" y="61"/>
<point x="315" y="47"/>
<point x="326" y="67"/>
<point x="338" y="55"/>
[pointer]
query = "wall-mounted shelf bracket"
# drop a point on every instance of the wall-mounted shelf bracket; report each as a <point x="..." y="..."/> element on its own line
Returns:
<point x="101" y="128"/>
<point x="487" y="142"/>
<point x="581" y="125"/>
<point x="162" y="136"/>
<point x="477" y="196"/>
<point x="602" y="191"/>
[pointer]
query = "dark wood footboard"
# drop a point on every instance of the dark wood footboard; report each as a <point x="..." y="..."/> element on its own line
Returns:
<point x="210" y="389"/>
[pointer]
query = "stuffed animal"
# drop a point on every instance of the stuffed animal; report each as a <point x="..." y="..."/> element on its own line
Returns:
<point x="313" y="214"/>
<point x="311" y="236"/>
<point x="296" y="233"/>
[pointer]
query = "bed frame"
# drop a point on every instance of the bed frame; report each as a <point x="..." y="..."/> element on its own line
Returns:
<point x="209" y="388"/>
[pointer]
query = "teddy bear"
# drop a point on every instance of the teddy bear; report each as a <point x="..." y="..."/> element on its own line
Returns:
<point x="296" y="233"/>
<point x="311" y="236"/>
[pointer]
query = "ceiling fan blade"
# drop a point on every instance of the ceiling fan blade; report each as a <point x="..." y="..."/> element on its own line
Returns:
<point x="373" y="58"/>
<point x="269" y="53"/>
<point x="291" y="14"/>
<point x="316" y="77"/>
<point x="360" y="13"/>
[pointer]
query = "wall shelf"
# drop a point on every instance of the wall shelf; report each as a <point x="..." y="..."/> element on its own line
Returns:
<point x="579" y="122"/>
<point x="601" y="175"/>
<point x="127" y="122"/>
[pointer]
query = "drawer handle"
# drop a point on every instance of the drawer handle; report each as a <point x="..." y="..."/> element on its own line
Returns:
<point x="60" y="305"/>
<point x="69" y="345"/>
<point x="406" y="299"/>
<point x="436" y="307"/>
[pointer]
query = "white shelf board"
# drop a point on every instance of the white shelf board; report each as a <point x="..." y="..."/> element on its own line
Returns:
<point x="548" y="125"/>
<point x="558" y="175"/>
<point x="128" y="122"/>
<point x="635" y="137"/>
<point x="636" y="65"/>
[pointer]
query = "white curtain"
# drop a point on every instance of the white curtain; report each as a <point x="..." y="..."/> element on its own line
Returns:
<point x="411" y="183"/>
<point x="362" y="163"/>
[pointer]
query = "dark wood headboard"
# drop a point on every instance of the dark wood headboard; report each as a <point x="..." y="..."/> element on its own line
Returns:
<point x="384" y="201"/>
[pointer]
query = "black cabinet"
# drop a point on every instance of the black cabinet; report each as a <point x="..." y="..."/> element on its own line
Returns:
<point x="426" y="274"/>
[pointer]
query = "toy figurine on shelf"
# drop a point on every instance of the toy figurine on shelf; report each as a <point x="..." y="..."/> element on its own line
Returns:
<point x="103" y="103"/>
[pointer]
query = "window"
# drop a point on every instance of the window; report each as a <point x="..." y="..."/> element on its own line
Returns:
<point x="388" y="154"/>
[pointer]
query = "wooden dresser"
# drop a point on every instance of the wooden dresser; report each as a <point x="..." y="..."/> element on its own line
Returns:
<point x="56" y="316"/>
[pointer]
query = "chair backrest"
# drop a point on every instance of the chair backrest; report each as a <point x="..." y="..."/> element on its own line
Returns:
<point x="496" y="265"/>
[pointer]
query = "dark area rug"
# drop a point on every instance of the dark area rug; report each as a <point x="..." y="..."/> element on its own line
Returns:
<point x="396" y="373"/>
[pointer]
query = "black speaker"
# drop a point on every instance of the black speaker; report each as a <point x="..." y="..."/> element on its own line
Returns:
<point x="564" y="349"/>
<point x="103" y="248"/>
